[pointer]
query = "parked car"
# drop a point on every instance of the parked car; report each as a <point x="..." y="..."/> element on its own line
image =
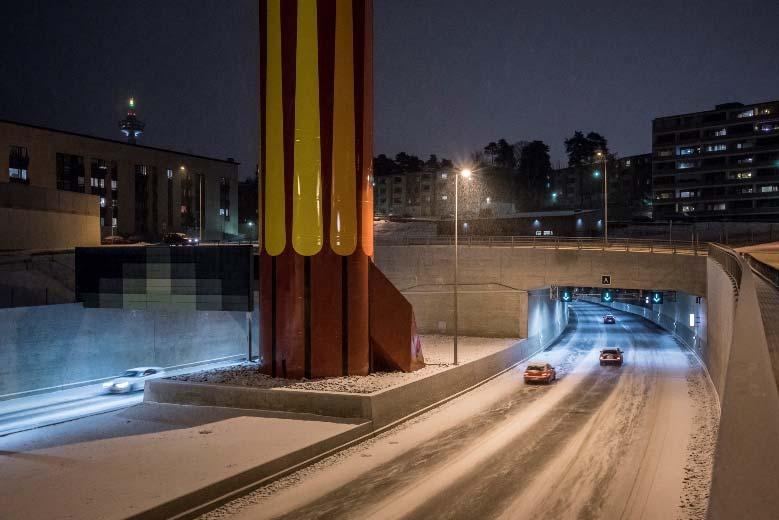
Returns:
<point x="179" y="239"/>
<point x="540" y="372"/>
<point x="609" y="319"/>
<point x="115" y="240"/>
<point x="133" y="379"/>
<point x="611" y="356"/>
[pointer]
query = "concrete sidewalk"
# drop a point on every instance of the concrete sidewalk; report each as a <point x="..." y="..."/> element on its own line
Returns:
<point x="124" y="463"/>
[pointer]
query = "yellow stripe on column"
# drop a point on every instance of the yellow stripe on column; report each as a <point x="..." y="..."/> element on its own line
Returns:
<point x="307" y="194"/>
<point x="275" y="229"/>
<point x="343" y="215"/>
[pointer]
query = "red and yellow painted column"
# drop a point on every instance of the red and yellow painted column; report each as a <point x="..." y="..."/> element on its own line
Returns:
<point x="316" y="200"/>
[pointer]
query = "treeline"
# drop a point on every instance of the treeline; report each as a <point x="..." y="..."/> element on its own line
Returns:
<point x="521" y="171"/>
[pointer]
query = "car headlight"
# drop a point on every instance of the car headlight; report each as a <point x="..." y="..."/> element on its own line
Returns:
<point x="108" y="384"/>
<point x="122" y="385"/>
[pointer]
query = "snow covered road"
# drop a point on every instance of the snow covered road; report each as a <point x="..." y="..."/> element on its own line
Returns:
<point x="35" y="411"/>
<point x="601" y="442"/>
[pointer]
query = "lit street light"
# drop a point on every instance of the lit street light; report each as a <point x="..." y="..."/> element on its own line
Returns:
<point x="605" y="196"/>
<point x="465" y="173"/>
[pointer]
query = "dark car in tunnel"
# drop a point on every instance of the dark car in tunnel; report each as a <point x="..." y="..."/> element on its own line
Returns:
<point x="609" y="319"/>
<point x="611" y="356"/>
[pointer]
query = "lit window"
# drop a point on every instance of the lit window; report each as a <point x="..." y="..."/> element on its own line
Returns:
<point x="113" y="185"/>
<point x="716" y="147"/>
<point x="690" y="150"/>
<point x="747" y="190"/>
<point x="721" y="133"/>
<point x="766" y="127"/>
<point x="687" y="209"/>
<point x="444" y="175"/>
<point x="664" y="153"/>
<point x="744" y="144"/>
<point x="743" y="175"/>
<point x="170" y="174"/>
<point x="102" y="202"/>
<point x="771" y="188"/>
<point x="94" y="182"/>
<point x="221" y="211"/>
<point x="687" y="194"/>
<point x="113" y="221"/>
<point x="444" y="197"/>
<point x="683" y="165"/>
<point x="746" y="160"/>
<point x="746" y="113"/>
<point x="627" y="162"/>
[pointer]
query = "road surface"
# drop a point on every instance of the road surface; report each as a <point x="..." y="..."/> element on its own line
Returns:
<point x="35" y="411"/>
<point x="602" y="442"/>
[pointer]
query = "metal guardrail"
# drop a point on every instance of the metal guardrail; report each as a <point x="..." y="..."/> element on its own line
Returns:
<point x="588" y="243"/>
<point x="728" y="259"/>
<point x="766" y="271"/>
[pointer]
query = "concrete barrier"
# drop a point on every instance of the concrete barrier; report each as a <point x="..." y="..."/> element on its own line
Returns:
<point x="381" y="408"/>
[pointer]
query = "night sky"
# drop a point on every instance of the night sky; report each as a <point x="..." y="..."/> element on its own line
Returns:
<point x="451" y="75"/>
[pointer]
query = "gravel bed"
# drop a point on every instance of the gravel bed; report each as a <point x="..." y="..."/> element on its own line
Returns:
<point x="436" y="349"/>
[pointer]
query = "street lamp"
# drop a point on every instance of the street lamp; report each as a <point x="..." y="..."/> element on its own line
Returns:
<point x="466" y="174"/>
<point x="605" y="197"/>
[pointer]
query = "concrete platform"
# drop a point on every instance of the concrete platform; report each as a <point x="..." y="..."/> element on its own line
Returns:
<point x="380" y="408"/>
<point x="154" y="460"/>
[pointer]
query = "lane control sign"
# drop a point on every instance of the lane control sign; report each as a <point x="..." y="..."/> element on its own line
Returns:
<point x="657" y="297"/>
<point x="605" y="279"/>
<point x="606" y="296"/>
<point x="566" y="294"/>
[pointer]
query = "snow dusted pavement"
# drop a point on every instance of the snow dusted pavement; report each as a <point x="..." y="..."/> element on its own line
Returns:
<point x="602" y="442"/>
<point x="45" y="409"/>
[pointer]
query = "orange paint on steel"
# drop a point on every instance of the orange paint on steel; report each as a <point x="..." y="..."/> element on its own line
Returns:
<point x="364" y="98"/>
<point x="343" y="216"/>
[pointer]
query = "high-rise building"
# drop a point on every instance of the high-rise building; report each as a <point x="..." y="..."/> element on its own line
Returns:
<point x="721" y="163"/>
<point x="131" y="126"/>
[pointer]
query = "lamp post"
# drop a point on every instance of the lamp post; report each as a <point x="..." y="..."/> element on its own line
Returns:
<point x="605" y="197"/>
<point x="465" y="173"/>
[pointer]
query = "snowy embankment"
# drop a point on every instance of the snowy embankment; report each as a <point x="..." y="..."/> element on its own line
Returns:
<point x="436" y="349"/>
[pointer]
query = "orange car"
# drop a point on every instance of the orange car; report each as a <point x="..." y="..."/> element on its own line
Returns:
<point x="611" y="356"/>
<point x="540" y="372"/>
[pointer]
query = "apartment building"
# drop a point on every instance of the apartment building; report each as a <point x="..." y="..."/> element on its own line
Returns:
<point x="721" y="163"/>
<point x="61" y="189"/>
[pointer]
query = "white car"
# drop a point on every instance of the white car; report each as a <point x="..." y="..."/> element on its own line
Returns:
<point x="133" y="379"/>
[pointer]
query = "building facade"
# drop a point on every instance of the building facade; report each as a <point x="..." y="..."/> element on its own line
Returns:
<point x="430" y="194"/>
<point x="721" y="163"/>
<point x="630" y="187"/>
<point x="68" y="189"/>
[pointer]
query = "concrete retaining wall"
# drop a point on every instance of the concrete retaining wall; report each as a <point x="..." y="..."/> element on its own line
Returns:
<point x="381" y="408"/>
<point x="529" y="269"/>
<point x="745" y="476"/>
<point x="55" y="345"/>
<point x="489" y="311"/>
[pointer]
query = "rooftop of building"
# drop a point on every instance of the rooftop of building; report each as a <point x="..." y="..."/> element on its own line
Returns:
<point x="116" y="141"/>
<point x="732" y="105"/>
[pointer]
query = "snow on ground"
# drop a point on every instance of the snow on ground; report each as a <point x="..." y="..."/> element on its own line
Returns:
<point x="602" y="442"/>
<point x="700" y="449"/>
<point x="385" y="228"/>
<point x="437" y="350"/>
